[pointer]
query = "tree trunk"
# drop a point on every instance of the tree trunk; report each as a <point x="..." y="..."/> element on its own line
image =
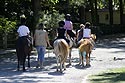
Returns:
<point x="67" y="6"/>
<point x="92" y="12"/>
<point x="36" y="14"/>
<point x="121" y="11"/>
<point x="82" y="14"/>
<point x="96" y="14"/>
<point x="111" y="12"/>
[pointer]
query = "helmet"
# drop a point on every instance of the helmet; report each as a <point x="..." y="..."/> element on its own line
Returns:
<point x="23" y="16"/>
<point x="68" y="15"/>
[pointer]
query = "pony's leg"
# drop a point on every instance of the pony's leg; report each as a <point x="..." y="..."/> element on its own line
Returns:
<point x="18" y="59"/>
<point x="80" y="58"/>
<point x="24" y="63"/>
<point x="57" y="60"/>
<point x="61" y="67"/>
<point x="64" y="65"/>
<point x="60" y="64"/>
<point x="29" y="60"/>
<point x="87" y="60"/>
<point x="70" y="56"/>
<point x="18" y="65"/>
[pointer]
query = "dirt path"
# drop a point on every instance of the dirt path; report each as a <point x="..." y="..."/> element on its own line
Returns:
<point x="101" y="59"/>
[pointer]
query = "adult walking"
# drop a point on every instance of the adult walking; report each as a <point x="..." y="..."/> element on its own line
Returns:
<point x="41" y="41"/>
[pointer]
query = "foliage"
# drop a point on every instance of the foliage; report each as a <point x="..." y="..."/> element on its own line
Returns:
<point x="6" y="25"/>
<point x="51" y="20"/>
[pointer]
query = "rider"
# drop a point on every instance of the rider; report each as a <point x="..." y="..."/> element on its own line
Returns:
<point x="80" y="32"/>
<point x="61" y="32"/>
<point x="87" y="33"/>
<point x="23" y="32"/>
<point x="69" y="26"/>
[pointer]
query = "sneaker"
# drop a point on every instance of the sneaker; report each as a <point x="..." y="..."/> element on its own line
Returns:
<point x="37" y="66"/>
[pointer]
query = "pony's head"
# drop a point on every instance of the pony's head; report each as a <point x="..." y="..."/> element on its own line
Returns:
<point x="93" y="36"/>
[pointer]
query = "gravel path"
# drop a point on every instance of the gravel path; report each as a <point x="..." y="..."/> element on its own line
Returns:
<point x="101" y="59"/>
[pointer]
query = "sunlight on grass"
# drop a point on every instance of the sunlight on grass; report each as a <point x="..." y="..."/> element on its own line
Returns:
<point x="109" y="76"/>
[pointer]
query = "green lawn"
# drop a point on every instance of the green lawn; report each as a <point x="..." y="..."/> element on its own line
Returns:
<point x="109" y="76"/>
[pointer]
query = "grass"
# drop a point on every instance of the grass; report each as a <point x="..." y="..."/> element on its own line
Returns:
<point x="109" y="76"/>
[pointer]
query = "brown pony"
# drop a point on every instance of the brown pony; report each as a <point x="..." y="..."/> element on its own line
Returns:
<point x="85" y="49"/>
<point x="61" y="50"/>
<point x="23" y="50"/>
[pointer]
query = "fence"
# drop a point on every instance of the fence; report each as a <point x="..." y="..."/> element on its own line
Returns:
<point x="9" y="40"/>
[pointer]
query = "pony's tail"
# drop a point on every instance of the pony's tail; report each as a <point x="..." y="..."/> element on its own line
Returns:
<point x="81" y="47"/>
<point x="65" y="47"/>
<point x="64" y="50"/>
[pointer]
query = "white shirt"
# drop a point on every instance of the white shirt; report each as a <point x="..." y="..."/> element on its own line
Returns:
<point x="23" y="30"/>
<point x="86" y="33"/>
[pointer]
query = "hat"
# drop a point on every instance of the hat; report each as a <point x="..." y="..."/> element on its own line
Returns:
<point x="61" y="23"/>
<point x="68" y="15"/>
<point x="82" y="25"/>
<point x="23" y="16"/>
<point x="87" y="23"/>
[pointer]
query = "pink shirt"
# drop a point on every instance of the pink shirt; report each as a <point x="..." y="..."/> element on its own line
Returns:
<point x="68" y="25"/>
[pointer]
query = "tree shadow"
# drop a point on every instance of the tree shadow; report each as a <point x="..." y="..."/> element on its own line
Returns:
<point x="112" y="77"/>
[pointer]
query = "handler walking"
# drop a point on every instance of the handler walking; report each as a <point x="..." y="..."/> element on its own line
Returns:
<point x="41" y="41"/>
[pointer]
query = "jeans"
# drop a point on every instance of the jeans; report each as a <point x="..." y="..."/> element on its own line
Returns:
<point x="41" y="52"/>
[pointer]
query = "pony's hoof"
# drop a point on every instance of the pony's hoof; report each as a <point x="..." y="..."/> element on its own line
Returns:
<point x="64" y="69"/>
<point x="18" y="69"/>
<point x="88" y="65"/>
<point x="61" y="71"/>
<point x="83" y="65"/>
<point x="24" y="70"/>
<point x="29" y="66"/>
<point x="69" y="63"/>
<point x="37" y="66"/>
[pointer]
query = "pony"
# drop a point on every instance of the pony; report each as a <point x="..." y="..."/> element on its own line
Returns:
<point x="61" y="50"/>
<point x="85" y="49"/>
<point x="23" y="50"/>
<point x="71" y="44"/>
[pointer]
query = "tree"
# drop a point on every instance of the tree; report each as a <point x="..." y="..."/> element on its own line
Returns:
<point x="36" y="15"/>
<point x="121" y="11"/>
<point x="110" y="12"/>
<point x="96" y="13"/>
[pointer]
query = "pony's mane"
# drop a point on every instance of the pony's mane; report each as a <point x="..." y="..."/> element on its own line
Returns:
<point x="93" y="36"/>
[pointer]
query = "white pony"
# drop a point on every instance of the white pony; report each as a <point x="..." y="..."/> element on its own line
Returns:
<point x="71" y="42"/>
<point x="61" y="50"/>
